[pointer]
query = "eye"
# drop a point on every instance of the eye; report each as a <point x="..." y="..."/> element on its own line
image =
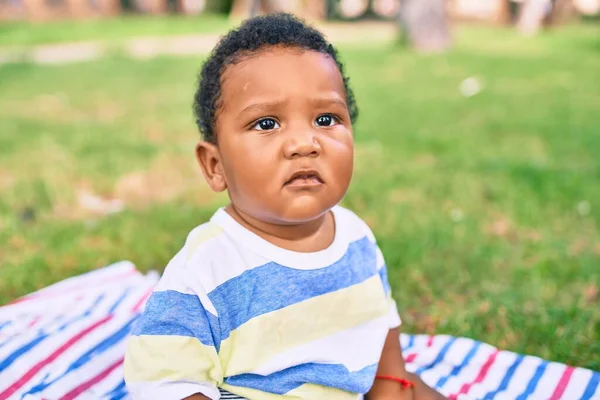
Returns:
<point x="266" y="124"/>
<point x="326" y="120"/>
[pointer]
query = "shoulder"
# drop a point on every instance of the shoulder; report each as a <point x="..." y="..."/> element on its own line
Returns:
<point x="196" y="257"/>
<point x="209" y="258"/>
<point x="204" y="241"/>
<point x="360" y="232"/>
<point x="354" y="225"/>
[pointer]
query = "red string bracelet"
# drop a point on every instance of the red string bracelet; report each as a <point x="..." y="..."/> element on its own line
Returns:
<point x="405" y="384"/>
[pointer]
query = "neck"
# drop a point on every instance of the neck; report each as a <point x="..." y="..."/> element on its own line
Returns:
<point x="310" y="236"/>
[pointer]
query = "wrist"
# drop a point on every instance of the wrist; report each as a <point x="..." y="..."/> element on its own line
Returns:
<point x="403" y="382"/>
<point x="397" y="388"/>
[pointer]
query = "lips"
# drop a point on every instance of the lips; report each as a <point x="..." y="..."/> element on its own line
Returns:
<point x="304" y="178"/>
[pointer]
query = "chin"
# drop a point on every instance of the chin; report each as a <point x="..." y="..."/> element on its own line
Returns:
<point x="304" y="210"/>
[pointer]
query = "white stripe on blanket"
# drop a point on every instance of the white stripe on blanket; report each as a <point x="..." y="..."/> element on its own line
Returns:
<point x="67" y="341"/>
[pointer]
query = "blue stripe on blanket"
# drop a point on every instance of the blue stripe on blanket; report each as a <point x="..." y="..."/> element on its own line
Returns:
<point x="456" y="370"/>
<point x="438" y="359"/>
<point x="592" y="388"/>
<point x="89" y="355"/>
<point x="507" y="378"/>
<point x="537" y="376"/>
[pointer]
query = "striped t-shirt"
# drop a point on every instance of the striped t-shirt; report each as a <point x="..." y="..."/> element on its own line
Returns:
<point x="235" y="312"/>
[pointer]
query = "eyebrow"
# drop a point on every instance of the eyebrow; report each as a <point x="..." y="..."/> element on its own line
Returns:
<point x="277" y="104"/>
<point x="263" y="106"/>
<point x="329" y="100"/>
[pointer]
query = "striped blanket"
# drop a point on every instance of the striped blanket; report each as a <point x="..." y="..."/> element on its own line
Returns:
<point x="67" y="341"/>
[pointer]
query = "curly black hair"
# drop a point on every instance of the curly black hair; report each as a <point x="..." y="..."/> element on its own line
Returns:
<point x="251" y="36"/>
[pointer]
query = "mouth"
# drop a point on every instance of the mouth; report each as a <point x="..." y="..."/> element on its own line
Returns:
<point x="304" y="178"/>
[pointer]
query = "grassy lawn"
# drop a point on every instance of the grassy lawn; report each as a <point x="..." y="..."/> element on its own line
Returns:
<point x="487" y="207"/>
<point x="113" y="29"/>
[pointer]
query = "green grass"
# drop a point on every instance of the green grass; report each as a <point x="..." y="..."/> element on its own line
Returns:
<point x="486" y="208"/>
<point x="110" y="29"/>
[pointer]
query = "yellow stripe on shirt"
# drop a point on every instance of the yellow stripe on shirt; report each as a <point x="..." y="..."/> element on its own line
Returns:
<point x="205" y="234"/>
<point x="306" y="391"/>
<point x="311" y="391"/>
<point x="255" y="394"/>
<point x="171" y="358"/>
<point x="263" y="337"/>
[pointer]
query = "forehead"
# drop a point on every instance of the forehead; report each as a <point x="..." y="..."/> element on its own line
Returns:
<point x="280" y="72"/>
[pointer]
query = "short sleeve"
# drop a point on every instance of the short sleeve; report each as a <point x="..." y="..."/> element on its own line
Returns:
<point x="393" y="316"/>
<point x="172" y="353"/>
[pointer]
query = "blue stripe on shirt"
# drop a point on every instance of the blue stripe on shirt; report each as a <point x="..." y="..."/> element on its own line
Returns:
<point x="173" y="313"/>
<point x="331" y="375"/>
<point x="384" y="280"/>
<point x="272" y="287"/>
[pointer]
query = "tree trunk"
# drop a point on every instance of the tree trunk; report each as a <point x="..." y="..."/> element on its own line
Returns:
<point x="110" y="7"/>
<point x="150" y="6"/>
<point x="248" y="8"/>
<point x="79" y="8"/>
<point x="503" y="12"/>
<point x="494" y="11"/>
<point x="532" y="15"/>
<point x="38" y="10"/>
<point x="315" y="9"/>
<point x="242" y="9"/>
<point x="425" y="25"/>
<point x="562" y="12"/>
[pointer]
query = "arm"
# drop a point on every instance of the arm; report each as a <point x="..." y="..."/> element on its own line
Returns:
<point x="392" y="363"/>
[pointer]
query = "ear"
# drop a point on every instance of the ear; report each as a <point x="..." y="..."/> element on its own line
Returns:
<point x="209" y="159"/>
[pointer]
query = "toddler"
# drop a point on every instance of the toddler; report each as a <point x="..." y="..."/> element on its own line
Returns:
<point x="283" y="294"/>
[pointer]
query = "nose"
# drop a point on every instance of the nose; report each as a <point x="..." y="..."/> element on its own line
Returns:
<point x="304" y="144"/>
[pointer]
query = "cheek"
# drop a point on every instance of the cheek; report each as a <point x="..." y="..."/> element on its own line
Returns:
<point x="342" y="158"/>
<point x="250" y="166"/>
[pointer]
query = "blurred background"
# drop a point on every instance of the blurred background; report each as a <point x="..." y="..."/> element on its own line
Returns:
<point x="478" y="150"/>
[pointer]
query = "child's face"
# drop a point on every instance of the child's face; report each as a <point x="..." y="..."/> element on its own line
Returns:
<point x="284" y="135"/>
